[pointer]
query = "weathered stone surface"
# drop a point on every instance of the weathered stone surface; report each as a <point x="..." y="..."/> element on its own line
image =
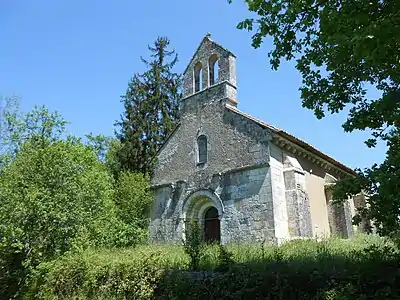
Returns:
<point x="260" y="190"/>
<point x="340" y="217"/>
<point x="297" y="204"/>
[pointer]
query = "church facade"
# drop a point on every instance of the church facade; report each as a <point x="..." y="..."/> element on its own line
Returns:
<point x="242" y="179"/>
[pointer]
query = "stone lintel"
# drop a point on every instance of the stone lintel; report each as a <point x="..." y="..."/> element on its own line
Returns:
<point x="204" y="90"/>
<point x="168" y="184"/>
<point x="245" y="168"/>
<point x="296" y="170"/>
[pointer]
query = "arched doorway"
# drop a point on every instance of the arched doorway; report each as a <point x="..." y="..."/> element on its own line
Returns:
<point x="206" y="208"/>
<point x="212" y="229"/>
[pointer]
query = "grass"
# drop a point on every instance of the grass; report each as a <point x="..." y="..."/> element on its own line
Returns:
<point x="174" y="257"/>
<point x="299" y="269"/>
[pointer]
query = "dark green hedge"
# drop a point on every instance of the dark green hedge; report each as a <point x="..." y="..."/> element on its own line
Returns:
<point x="369" y="280"/>
<point x="318" y="271"/>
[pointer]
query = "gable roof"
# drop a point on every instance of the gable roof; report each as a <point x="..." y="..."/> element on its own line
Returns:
<point x="293" y="139"/>
<point x="207" y="38"/>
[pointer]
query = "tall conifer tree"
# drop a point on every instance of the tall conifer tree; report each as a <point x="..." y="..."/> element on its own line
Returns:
<point x="150" y="109"/>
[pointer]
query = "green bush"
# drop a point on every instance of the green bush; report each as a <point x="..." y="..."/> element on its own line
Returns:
<point x="320" y="274"/>
<point x="225" y="258"/>
<point x="56" y="196"/>
<point x="361" y="268"/>
<point x="133" y="199"/>
<point x="98" y="275"/>
<point x="193" y="244"/>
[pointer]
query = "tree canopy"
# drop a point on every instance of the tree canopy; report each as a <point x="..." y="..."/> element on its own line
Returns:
<point x="341" y="48"/>
<point x="150" y="109"/>
<point x="57" y="194"/>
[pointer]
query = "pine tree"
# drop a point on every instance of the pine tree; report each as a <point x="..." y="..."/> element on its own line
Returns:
<point x="150" y="109"/>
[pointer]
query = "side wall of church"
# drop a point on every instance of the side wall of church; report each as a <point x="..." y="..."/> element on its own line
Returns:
<point x="308" y="201"/>
<point x="310" y="210"/>
<point x="294" y="192"/>
<point x="315" y="182"/>
<point x="328" y="219"/>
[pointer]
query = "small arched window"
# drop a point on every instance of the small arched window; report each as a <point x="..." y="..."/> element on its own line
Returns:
<point x="198" y="68"/>
<point x="213" y="69"/>
<point x="202" y="149"/>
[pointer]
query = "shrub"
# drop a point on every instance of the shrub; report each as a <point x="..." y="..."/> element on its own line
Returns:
<point x="54" y="198"/>
<point x="332" y="270"/>
<point x="193" y="244"/>
<point x="133" y="199"/>
<point x="225" y="258"/>
<point x="98" y="275"/>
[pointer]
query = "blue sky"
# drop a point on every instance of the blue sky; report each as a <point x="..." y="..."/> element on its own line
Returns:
<point x="77" y="57"/>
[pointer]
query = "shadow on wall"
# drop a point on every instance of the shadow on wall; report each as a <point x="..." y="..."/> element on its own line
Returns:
<point x="176" y="195"/>
<point x="240" y="185"/>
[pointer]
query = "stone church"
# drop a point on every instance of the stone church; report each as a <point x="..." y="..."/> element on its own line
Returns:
<point x="242" y="179"/>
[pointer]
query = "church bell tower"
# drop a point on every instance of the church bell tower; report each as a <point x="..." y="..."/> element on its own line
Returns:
<point x="212" y="67"/>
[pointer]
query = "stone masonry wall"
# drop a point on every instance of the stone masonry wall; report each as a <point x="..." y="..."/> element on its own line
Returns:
<point x="237" y="170"/>
<point x="296" y="208"/>
<point x="226" y="63"/>
<point x="233" y="141"/>
<point x="249" y="213"/>
<point x="247" y="200"/>
<point x="310" y="211"/>
<point x="298" y="204"/>
<point x="340" y="217"/>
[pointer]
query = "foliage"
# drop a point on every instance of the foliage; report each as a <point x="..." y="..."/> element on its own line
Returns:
<point x="9" y="110"/>
<point x="111" y="158"/>
<point x="342" y="47"/>
<point x="55" y="195"/>
<point x="39" y="125"/>
<point x="193" y="244"/>
<point x="133" y="198"/>
<point x="381" y="184"/>
<point x="225" y="258"/>
<point x="333" y="269"/>
<point x="51" y="199"/>
<point x="100" y="144"/>
<point x="337" y="269"/>
<point x="97" y="275"/>
<point x="151" y="109"/>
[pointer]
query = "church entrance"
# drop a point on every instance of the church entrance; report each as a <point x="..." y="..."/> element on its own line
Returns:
<point x="212" y="229"/>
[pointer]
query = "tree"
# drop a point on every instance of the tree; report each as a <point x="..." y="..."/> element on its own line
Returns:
<point x="39" y="124"/>
<point x="9" y="110"/>
<point x="100" y="144"/>
<point x="133" y="198"/>
<point x="55" y="196"/>
<point x="150" y="109"/>
<point x="340" y="47"/>
<point x="111" y="160"/>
